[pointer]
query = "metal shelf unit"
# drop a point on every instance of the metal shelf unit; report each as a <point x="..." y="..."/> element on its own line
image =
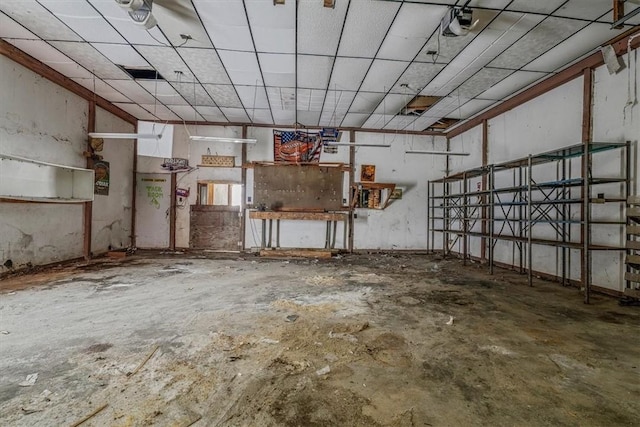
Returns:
<point x="537" y="200"/>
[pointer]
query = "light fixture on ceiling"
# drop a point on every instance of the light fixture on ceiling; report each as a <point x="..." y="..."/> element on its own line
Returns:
<point x="437" y="153"/>
<point x="330" y="3"/>
<point x="223" y="139"/>
<point x="140" y="12"/>
<point x="275" y="2"/>
<point x="115" y="135"/>
<point x="458" y="21"/>
<point x="356" y="144"/>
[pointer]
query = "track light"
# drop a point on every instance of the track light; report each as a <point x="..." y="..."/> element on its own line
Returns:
<point x="222" y="139"/>
<point x="107" y="135"/>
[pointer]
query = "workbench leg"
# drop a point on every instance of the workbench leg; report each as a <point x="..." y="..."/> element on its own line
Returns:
<point x="264" y="234"/>
<point x="270" y="232"/>
<point x="327" y="237"/>
<point x="277" y="233"/>
<point x="333" y="238"/>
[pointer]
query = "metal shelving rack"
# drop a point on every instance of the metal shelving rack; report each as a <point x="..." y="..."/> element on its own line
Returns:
<point x="537" y="200"/>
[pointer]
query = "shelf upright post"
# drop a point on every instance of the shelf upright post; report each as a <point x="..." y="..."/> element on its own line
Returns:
<point x="627" y="184"/>
<point x="429" y="203"/>
<point x="529" y="221"/>
<point x="586" y="221"/>
<point x="491" y="217"/>
<point x="465" y="214"/>
<point x="520" y="223"/>
<point x="433" y="217"/>
<point x="446" y="217"/>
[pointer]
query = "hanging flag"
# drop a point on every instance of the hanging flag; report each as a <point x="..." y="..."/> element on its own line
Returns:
<point x="296" y="146"/>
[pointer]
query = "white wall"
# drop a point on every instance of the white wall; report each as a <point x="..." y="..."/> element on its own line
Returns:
<point x="111" y="226"/>
<point x="41" y="121"/>
<point x="554" y="120"/>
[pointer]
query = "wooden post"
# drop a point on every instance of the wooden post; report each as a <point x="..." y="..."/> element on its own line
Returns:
<point x="87" y="207"/>
<point x="135" y="190"/>
<point x="585" y="211"/>
<point x="618" y="12"/>
<point x="172" y="213"/>
<point x="483" y="211"/>
<point x="243" y="202"/>
<point x="352" y="165"/>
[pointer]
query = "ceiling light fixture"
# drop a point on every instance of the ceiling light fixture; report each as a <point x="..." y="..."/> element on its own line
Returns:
<point x="140" y="12"/>
<point x="222" y="139"/>
<point x="437" y="153"/>
<point x="458" y="21"/>
<point x="356" y="144"/>
<point x="108" y="135"/>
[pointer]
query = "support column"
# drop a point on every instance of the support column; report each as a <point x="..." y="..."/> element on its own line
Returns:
<point x="243" y="201"/>
<point x="87" y="207"/>
<point x="483" y="210"/>
<point x="585" y="229"/>
<point x="172" y="213"/>
<point x="135" y="190"/>
<point x="352" y="165"/>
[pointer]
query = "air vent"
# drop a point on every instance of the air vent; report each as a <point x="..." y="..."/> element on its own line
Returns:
<point x="142" y="73"/>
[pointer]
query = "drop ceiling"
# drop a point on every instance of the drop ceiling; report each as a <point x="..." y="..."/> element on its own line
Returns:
<point x="355" y="65"/>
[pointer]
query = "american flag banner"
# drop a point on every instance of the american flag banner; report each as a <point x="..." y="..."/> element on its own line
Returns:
<point x="296" y="146"/>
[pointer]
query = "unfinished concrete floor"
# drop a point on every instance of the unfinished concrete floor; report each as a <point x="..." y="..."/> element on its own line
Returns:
<point x="364" y="340"/>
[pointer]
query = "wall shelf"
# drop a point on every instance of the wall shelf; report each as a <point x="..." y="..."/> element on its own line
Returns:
<point x="371" y="195"/>
<point x="523" y="203"/>
<point x="31" y="180"/>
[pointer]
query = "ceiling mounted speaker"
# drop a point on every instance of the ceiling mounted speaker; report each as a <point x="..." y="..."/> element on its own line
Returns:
<point x="130" y="5"/>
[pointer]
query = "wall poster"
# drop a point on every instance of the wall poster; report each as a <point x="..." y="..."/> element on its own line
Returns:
<point x="101" y="183"/>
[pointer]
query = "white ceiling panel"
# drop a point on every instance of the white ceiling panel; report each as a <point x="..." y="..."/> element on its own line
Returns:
<point x="85" y="55"/>
<point x="260" y="115"/>
<point x="400" y="122"/>
<point x="200" y="97"/>
<point x="103" y="89"/>
<point x="310" y="99"/>
<point x="10" y="29"/>
<point x="282" y="98"/>
<point x="50" y="56"/>
<point x="133" y="90"/>
<point x="162" y="90"/>
<point x="411" y="29"/>
<point x="338" y="101"/>
<point x="585" y="9"/>
<point x="392" y="104"/>
<point x="510" y="85"/>
<point x="180" y="19"/>
<point x="278" y="69"/>
<point x="273" y="28"/>
<point x="38" y="20"/>
<point x="348" y="73"/>
<point x="365" y="28"/>
<point x="185" y="112"/>
<point x="242" y="67"/>
<point x="366" y="102"/>
<point x="137" y="111"/>
<point x="417" y="76"/>
<point x="576" y="46"/>
<point x="319" y="27"/>
<point x="118" y="18"/>
<point x="309" y="118"/>
<point x="480" y="82"/>
<point x="354" y="119"/>
<point x="628" y="7"/>
<point x="237" y="115"/>
<point x="377" y="121"/>
<point x="470" y="108"/>
<point x="166" y="61"/>
<point x="224" y="95"/>
<point x="253" y="97"/>
<point x="330" y="120"/>
<point x="226" y="23"/>
<point x="211" y="114"/>
<point x="283" y="117"/>
<point x="546" y="6"/>
<point x="542" y="38"/>
<point x="205" y="64"/>
<point x="383" y="75"/>
<point x="313" y="71"/>
<point x="121" y="54"/>
<point x="82" y="18"/>
<point x="160" y="111"/>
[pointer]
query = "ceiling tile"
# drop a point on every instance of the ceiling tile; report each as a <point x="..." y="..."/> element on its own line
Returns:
<point x="511" y="84"/>
<point x="165" y="93"/>
<point x="11" y="29"/>
<point x="348" y="73"/>
<point x="417" y="76"/>
<point x="366" y="25"/>
<point x="542" y="38"/>
<point x="260" y="116"/>
<point x="585" y="9"/>
<point x="50" y="56"/>
<point x="282" y="117"/>
<point x="273" y="28"/>
<point x="392" y="104"/>
<point x="480" y="82"/>
<point x="313" y="71"/>
<point x="166" y="61"/>
<point x="226" y="23"/>
<point x="160" y="111"/>
<point x="102" y="89"/>
<point x="354" y="119"/>
<point x="278" y="69"/>
<point x="366" y="102"/>
<point x="211" y="114"/>
<point x="235" y="114"/>
<point x="133" y="90"/>
<point x="377" y="121"/>
<point x="546" y="6"/>
<point x="224" y="95"/>
<point x="194" y="94"/>
<point x="85" y="55"/>
<point x="319" y="27"/>
<point x="470" y="108"/>
<point x="383" y="75"/>
<point x="242" y="67"/>
<point x="38" y="20"/>
<point x="185" y="112"/>
<point x="253" y="97"/>
<point x="121" y="54"/>
<point x="205" y="64"/>
<point x="575" y="46"/>
<point x="400" y="122"/>
<point x="82" y="18"/>
<point x="179" y="17"/>
<point x="137" y="111"/>
<point x="310" y="99"/>
<point x="309" y="118"/>
<point x="411" y="29"/>
<point x="338" y="101"/>
<point x="282" y="98"/>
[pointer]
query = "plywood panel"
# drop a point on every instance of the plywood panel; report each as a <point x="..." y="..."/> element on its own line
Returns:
<point x="213" y="227"/>
<point x="298" y="186"/>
